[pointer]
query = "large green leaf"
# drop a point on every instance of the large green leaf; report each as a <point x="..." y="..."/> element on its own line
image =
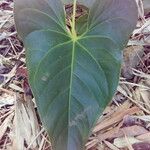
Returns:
<point x="73" y="77"/>
<point x="31" y="15"/>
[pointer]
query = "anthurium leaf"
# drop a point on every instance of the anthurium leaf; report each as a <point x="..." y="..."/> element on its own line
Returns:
<point x="73" y="74"/>
<point x="114" y="19"/>
<point x="34" y="15"/>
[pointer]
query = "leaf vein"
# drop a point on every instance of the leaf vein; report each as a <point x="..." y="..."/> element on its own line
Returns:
<point x="57" y="96"/>
<point x="99" y="66"/>
<point x="93" y="95"/>
<point x="53" y="48"/>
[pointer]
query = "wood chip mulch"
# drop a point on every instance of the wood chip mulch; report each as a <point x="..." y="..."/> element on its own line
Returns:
<point x="124" y="125"/>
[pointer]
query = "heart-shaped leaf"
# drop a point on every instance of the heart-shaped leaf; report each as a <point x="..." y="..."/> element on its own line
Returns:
<point x="73" y="75"/>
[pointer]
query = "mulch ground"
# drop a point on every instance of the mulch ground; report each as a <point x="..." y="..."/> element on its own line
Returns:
<point x="125" y="123"/>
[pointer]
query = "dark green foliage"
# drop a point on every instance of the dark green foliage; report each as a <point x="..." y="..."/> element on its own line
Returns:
<point x="73" y="77"/>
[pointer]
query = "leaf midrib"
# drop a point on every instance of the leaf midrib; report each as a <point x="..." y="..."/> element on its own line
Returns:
<point x="71" y="81"/>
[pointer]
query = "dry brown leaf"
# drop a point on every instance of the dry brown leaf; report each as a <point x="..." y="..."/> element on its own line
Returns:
<point x="91" y="144"/>
<point x="142" y="96"/>
<point x="117" y="132"/>
<point x="16" y="88"/>
<point x="112" y="111"/>
<point x="6" y="99"/>
<point x="132" y="57"/>
<point x="26" y="124"/>
<point x="5" y="125"/>
<point x="111" y="146"/>
<point x="128" y="143"/>
<point x="109" y="134"/>
<point x="141" y="146"/>
<point x="122" y="142"/>
<point x="145" y="118"/>
<point x="118" y="117"/>
<point x="131" y="131"/>
<point x="144" y="137"/>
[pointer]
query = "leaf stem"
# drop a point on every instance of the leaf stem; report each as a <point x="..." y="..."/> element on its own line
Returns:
<point x="73" y="20"/>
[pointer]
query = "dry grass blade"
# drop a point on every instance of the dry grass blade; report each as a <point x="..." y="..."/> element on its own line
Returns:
<point x="26" y="125"/>
<point x="111" y="146"/>
<point x="6" y="124"/>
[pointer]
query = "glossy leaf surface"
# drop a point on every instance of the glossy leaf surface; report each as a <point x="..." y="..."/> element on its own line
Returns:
<point x="73" y="78"/>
